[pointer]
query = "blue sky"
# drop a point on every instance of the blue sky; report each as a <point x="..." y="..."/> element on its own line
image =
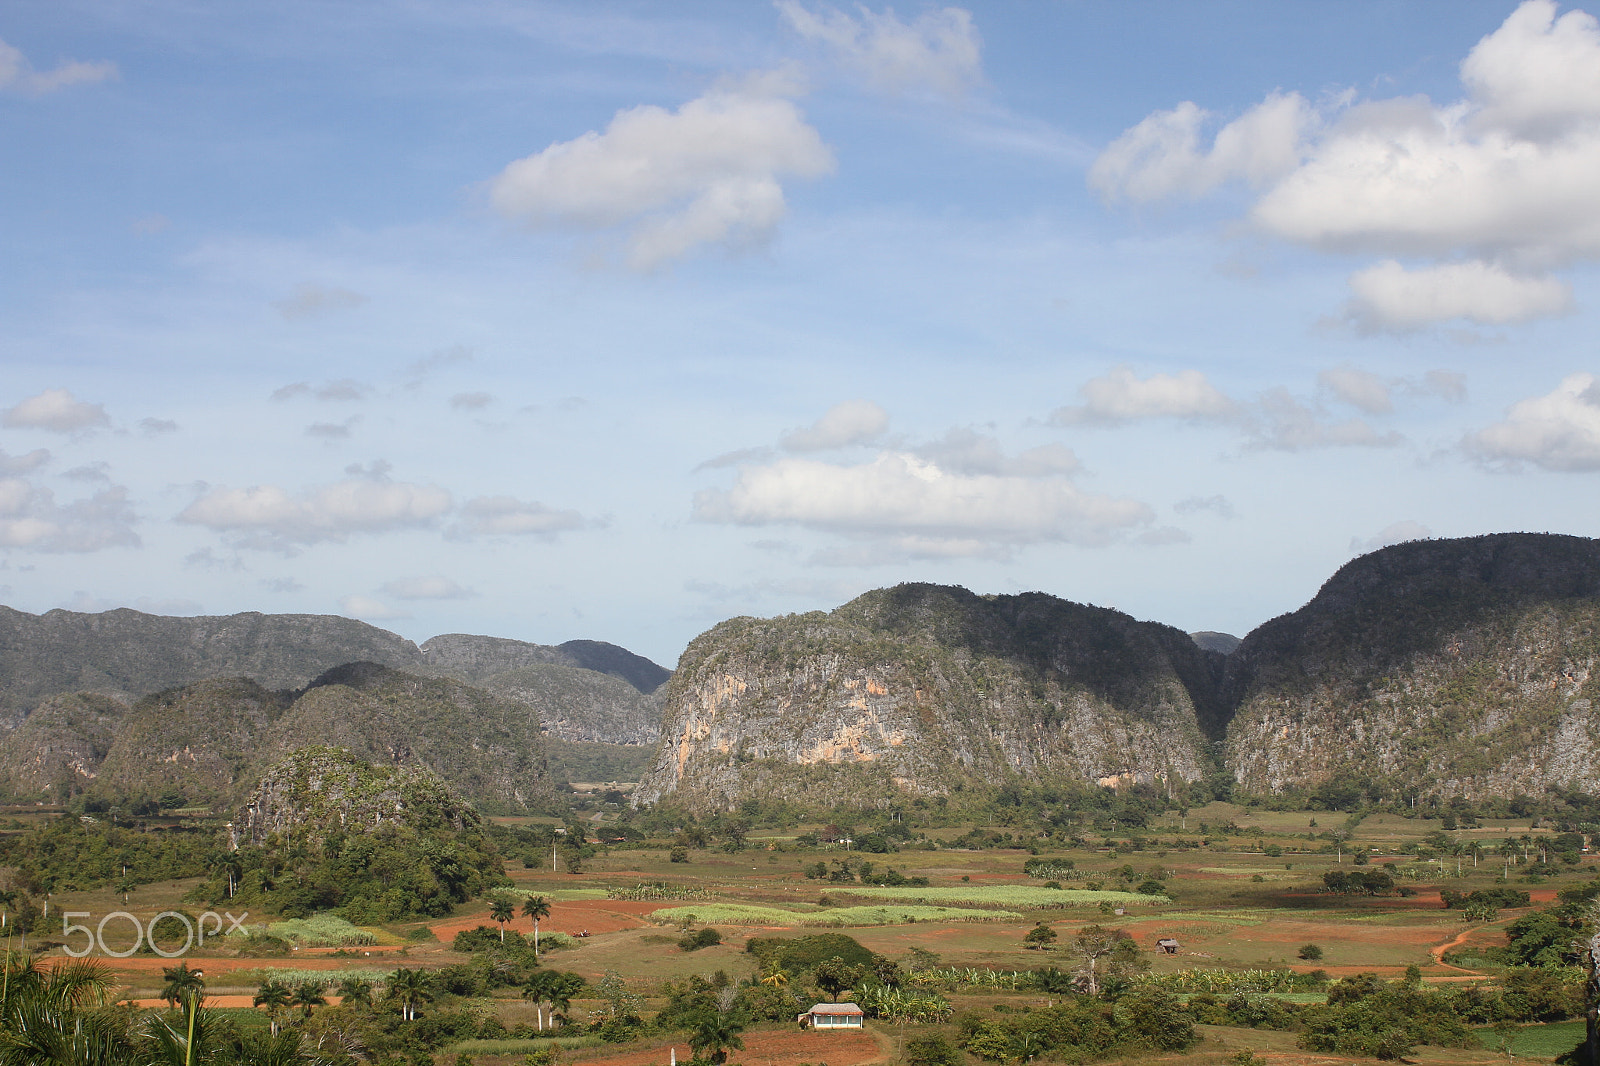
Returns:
<point x="614" y="320"/>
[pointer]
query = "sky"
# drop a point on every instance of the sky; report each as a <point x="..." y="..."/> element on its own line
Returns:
<point x="613" y="320"/>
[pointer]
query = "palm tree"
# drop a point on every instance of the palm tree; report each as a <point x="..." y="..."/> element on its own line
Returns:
<point x="776" y="979"/>
<point x="537" y="988"/>
<point x="502" y="910"/>
<point x="50" y="1016"/>
<point x="307" y="994"/>
<point x="409" y="988"/>
<point x="355" y="991"/>
<point x="560" y="993"/>
<point x="182" y="984"/>
<point x="536" y="907"/>
<point x="8" y="899"/>
<point x="717" y="1034"/>
<point x="274" y="996"/>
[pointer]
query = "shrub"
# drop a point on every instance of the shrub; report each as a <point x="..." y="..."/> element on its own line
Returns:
<point x="1311" y="953"/>
<point x="705" y="938"/>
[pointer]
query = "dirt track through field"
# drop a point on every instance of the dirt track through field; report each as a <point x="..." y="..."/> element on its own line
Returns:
<point x="765" y="1048"/>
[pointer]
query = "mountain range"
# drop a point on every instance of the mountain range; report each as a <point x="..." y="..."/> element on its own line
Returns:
<point x="1442" y="667"/>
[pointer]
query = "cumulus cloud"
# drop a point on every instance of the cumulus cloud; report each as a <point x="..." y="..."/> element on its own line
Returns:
<point x="1396" y="533"/>
<point x="964" y="451"/>
<point x="267" y="516"/>
<point x="1161" y="156"/>
<point x="495" y="516"/>
<point x="707" y="173"/>
<point x="1282" y="423"/>
<point x="1557" y="431"/>
<point x="912" y="507"/>
<point x="844" y="424"/>
<point x="1387" y="296"/>
<point x="309" y="300"/>
<point x="1492" y="191"/>
<point x="937" y="52"/>
<point x="368" y="609"/>
<point x="32" y="520"/>
<point x="432" y="587"/>
<point x="56" y="410"/>
<point x="1120" y="397"/>
<point x="1358" y="388"/>
<point x="1448" y="385"/>
<point x="22" y="464"/>
<point x="18" y="75"/>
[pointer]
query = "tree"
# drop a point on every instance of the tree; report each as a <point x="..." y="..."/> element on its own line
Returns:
<point x="307" y="994"/>
<point x="1103" y="953"/>
<point x="502" y="911"/>
<point x="835" y="975"/>
<point x="410" y="989"/>
<point x="537" y="988"/>
<point x="1311" y="952"/>
<point x="716" y="1034"/>
<point x="536" y="907"/>
<point x="778" y="978"/>
<point x="49" y="1016"/>
<point x="274" y="996"/>
<point x="1040" y="936"/>
<point x="355" y="992"/>
<point x="1591" y="989"/>
<point x="182" y="984"/>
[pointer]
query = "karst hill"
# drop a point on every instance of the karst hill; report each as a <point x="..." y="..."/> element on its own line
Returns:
<point x="1448" y="667"/>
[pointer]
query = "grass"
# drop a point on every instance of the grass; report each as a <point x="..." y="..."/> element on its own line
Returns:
<point x="323" y="930"/>
<point x="900" y="914"/>
<point x="1544" y="1041"/>
<point x="287" y="976"/>
<point x="520" y="1047"/>
<point x="554" y="895"/>
<point x="1027" y="896"/>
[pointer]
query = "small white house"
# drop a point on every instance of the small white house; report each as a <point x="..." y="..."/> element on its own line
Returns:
<point x="832" y="1016"/>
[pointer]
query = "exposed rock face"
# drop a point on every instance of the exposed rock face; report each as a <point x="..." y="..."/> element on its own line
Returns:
<point x="582" y="705"/>
<point x="315" y="791"/>
<point x="62" y="744"/>
<point x="922" y="688"/>
<point x="1452" y="667"/>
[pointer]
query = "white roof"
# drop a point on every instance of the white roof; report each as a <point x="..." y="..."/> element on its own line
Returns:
<point x="835" y="1008"/>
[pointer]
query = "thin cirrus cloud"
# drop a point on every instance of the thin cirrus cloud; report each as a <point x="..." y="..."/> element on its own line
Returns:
<point x="937" y="52"/>
<point x="501" y="516"/>
<point x="17" y="74"/>
<point x="1394" y="533"/>
<point x="709" y="173"/>
<point x="369" y="609"/>
<point x="309" y="300"/>
<point x="1559" y="431"/>
<point x="431" y="587"/>
<point x="1487" y="195"/>
<point x="56" y="410"/>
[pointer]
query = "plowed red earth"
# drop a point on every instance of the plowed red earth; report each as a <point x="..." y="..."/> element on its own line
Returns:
<point x="765" y="1048"/>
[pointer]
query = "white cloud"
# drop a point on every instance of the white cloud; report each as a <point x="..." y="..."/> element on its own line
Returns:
<point x="1160" y="157"/>
<point x="493" y="516"/>
<point x="1448" y="385"/>
<point x="21" y="464"/>
<point x="471" y="401"/>
<point x="153" y="426"/>
<point x="343" y="390"/>
<point x="331" y="431"/>
<point x="708" y="173"/>
<point x="963" y="451"/>
<point x="913" y="507"/>
<point x="1557" y="431"/>
<point x="1496" y="189"/>
<point x="1121" y="397"/>
<point x="266" y="516"/>
<point x="368" y="609"/>
<point x="1217" y="505"/>
<point x="434" y="587"/>
<point x="57" y="410"/>
<point x="1358" y="388"/>
<point x="937" y="52"/>
<point x="844" y="424"/>
<point x="310" y="300"/>
<point x="30" y="519"/>
<point x="1283" y="423"/>
<point x="18" y="75"/>
<point x="1395" y="533"/>
<point x="1388" y="296"/>
<point x="84" y="603"/>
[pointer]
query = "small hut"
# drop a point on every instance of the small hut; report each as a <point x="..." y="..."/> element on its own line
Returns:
<point x="1168" y="945"/>
<point x="832" y="1016"/>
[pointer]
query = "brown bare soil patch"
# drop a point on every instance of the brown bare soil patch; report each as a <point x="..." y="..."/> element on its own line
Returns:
<point x="764" y="1048"/>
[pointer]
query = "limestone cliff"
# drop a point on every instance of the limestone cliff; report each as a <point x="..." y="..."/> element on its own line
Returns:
<point x="923" y="688"/>
<point x="1448" y="667"/>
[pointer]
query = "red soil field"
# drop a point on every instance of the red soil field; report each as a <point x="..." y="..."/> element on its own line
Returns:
<point x="595" y="915"/>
